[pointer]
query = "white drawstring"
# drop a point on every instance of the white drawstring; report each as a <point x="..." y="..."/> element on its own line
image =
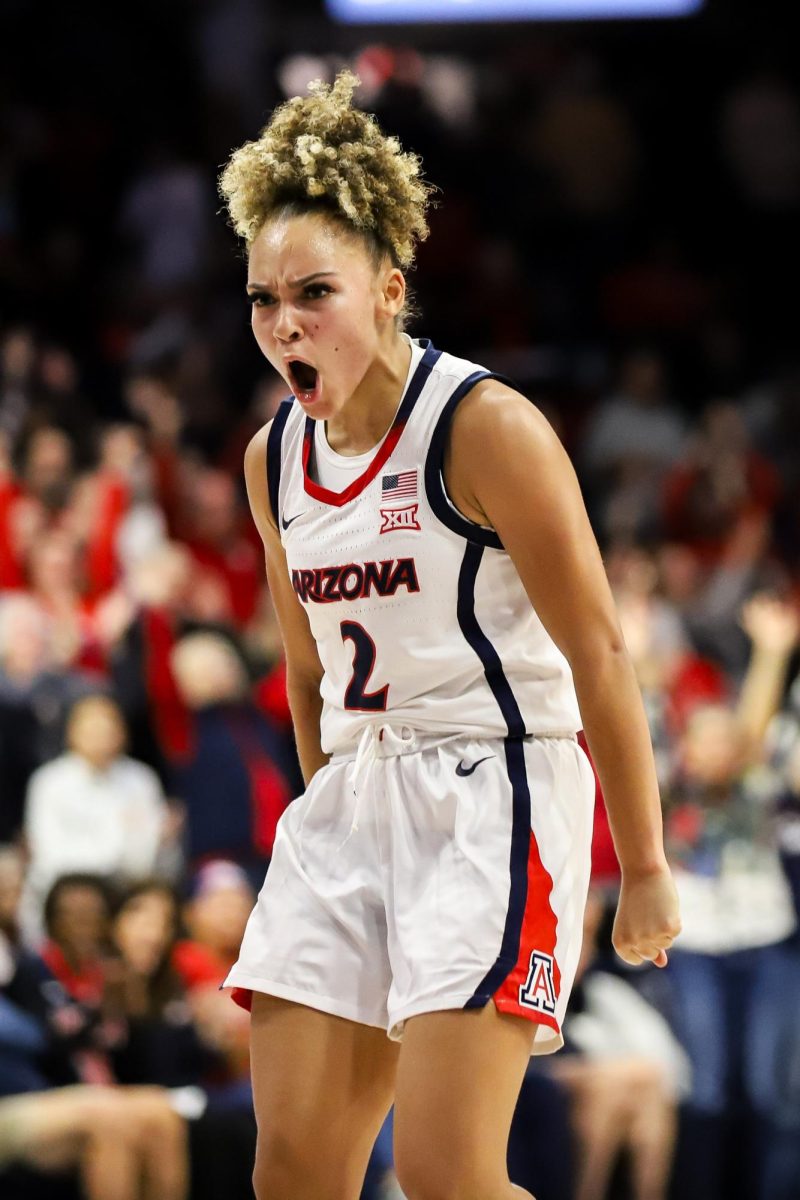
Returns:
<point x="366" y="757"/>
<point x="376" y="741"/>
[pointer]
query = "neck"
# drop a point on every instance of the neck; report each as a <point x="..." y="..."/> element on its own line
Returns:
<point x="368" y="414"/>
<point x="98" y="763"/>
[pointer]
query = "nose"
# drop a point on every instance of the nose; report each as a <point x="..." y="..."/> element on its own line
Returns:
<point x="286" y="327"/>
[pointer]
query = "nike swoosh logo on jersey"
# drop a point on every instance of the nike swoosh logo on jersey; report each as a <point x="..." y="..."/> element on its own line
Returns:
<point x="286" y="523"/>
<point x="462" y="770"/>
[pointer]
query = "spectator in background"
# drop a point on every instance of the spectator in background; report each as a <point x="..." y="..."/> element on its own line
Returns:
<point x="47" y="476"/>
<point x="55" y="574"/>
<point x="240" y="774"/>
<point x="155" y="404"/>
<point x="166" y="1043"/>
<point x="217" y="538"/>
<point x="736" y="905"/>
<point x="77" y="915"/>
<point x="125" y="1143"/>
<point x="722" y="483"/>
<point x="34" y="699"/>
<point x="113" y="513"/>
<point x="58" y="400"/>
<point x="35" y="502"/>
<point x="144" y="990"/>
<point x="673" y="678"/>
<point x="142" y="625"/>
<point x="633" y="438"/>
<point x="220" y="902"/>
<point x="94" y="809"/>
<point x="625" y="1076"/>
<point x="709" y="596"/>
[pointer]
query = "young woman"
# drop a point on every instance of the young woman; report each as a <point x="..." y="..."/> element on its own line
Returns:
<point x="438" y="588"/>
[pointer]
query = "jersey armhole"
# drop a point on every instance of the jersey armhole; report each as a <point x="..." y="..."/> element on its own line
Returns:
<point x="440" y="502"/>
<point x="274" y="441"/>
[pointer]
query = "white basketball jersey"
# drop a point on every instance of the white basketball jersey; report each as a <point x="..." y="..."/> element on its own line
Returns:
<point x="418" y="613"/>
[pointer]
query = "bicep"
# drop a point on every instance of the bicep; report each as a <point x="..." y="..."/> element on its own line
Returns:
<point x="524" y="481"/>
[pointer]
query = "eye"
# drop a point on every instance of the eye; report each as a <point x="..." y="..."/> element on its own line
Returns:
<point x="315" y="291"/>
<point x="259" y="299"/>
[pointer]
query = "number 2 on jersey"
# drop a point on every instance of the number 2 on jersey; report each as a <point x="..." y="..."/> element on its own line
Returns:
<point x="356" y="695"/>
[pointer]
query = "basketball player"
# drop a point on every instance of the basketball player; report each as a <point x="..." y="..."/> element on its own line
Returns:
<point x="438" y="589"/>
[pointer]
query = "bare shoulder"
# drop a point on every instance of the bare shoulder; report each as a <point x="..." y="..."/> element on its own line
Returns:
<point x="500" y="442"/>
<point x="255" y="475"/>
<point x="494" y="417"/>
<point x="255" y="456"/>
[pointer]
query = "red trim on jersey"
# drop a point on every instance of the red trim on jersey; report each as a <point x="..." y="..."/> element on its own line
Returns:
<point x="538" y="932"/>
<point x="365" y="478"/>
<point x="243" y="997"/>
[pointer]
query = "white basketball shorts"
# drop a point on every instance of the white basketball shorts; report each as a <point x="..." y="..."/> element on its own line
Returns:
<point x="423" y="873"/>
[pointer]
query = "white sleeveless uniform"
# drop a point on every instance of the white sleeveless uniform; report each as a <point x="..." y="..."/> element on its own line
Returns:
<point x="441" y="858"/>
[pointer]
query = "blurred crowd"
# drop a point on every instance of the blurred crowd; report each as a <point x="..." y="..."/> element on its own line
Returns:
<point x="626" y="261"/>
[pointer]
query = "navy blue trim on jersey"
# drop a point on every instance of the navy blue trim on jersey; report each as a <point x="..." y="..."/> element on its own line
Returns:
<point x="274" y="440"/>
<point x="434" y="468"/>
<point x="492" y="666"/>
<point x="514" y="747"/>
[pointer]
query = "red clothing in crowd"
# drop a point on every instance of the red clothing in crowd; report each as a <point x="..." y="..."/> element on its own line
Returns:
<point x="200" y="966"/>
<point x="85" y="983"/>
<point x="697" y="517"/>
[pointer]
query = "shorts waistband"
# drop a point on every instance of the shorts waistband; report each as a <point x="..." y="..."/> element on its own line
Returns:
<point x="391" y="739"/>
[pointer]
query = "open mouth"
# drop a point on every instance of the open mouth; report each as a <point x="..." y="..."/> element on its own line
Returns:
<point x="305" y="379"/>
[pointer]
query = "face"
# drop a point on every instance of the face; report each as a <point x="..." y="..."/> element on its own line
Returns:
<point x="96" y="731"/>
<point x="218" y="920"/>
<point x="712" y="747"/>
<point x="53" y="563"/>
<point x="80" y="921"/>
<point x="144" y="930"/>
<point x="49" y="463"/>
<point x="320" y="307"/>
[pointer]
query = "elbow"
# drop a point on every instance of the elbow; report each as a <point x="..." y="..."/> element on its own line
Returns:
<point x="302" y="687"/>
<point x="590" y="654"/>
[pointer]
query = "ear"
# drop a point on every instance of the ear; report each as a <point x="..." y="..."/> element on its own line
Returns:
<point x="392" y="293"/>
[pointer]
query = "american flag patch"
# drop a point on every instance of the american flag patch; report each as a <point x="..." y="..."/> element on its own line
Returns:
<point x="399" y="487"/>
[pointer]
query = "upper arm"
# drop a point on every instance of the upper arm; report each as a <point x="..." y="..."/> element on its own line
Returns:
<point x="302" y="659"/>
<point x="509" y="461"/>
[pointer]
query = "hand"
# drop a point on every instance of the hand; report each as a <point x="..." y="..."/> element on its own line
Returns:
<point x="773" y="625"/>
<point x="647" y="919"/>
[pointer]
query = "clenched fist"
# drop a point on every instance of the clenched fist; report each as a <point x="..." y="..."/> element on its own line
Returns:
<point x="647" y="919"/>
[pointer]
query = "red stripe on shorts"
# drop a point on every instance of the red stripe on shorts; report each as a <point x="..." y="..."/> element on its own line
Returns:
<point x="243" y="997"/>
<point x="538" y="935"/>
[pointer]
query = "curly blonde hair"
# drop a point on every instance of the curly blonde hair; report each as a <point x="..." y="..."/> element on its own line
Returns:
<point x="318" y="152"/>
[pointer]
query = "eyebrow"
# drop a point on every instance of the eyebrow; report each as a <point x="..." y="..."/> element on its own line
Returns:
<point x="262" y="287"/>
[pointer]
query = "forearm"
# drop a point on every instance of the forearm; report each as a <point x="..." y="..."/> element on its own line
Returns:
<point x="616" y="730"/>
<point x="761" y="694"/>
<point x="305" y="703"/>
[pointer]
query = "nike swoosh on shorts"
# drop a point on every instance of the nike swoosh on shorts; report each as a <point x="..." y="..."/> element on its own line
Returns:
<point x="462" y="770"/>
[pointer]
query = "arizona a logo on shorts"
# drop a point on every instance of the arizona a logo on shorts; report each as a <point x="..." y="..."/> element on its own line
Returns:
<point x="537" y="991"/>
<point x="399" y="518"/>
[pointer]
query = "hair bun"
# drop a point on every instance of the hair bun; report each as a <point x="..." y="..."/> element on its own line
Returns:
<point x="319" y="147"/>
